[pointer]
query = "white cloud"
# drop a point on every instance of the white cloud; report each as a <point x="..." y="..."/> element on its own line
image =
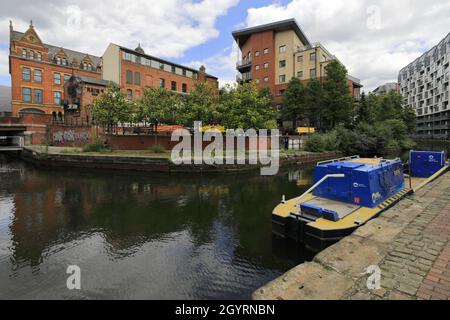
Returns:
<point x="222" y="63"/>
<point x="374" y="39"/>
<point x="165" y="28"/>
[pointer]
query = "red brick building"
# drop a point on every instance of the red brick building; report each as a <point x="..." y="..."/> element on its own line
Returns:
<point x="38" y="72"/>
<point x="134" y="70"/>
<point x="80" y="92"/>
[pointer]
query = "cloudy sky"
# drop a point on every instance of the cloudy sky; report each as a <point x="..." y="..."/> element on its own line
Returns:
<point x="374" y="39"/>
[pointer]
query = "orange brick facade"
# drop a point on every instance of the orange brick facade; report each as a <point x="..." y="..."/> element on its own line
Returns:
<point x="257" y="42"/>
<point x="33" y="68"/>
<point x="135" y="77"/>
<point x="150" y="77"/>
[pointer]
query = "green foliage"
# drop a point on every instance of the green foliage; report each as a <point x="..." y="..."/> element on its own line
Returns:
<point x="111" y="107"/>
<point x="314" y="109"/>
<point x="245" y="107"/>
<point x="158" y="105"/>
<point x="337" y="101"/>
<point x="157" y="148"/>
<point x="294" y="104"/>
<point x="200" y="105"/>
<point x="97" y="145"/>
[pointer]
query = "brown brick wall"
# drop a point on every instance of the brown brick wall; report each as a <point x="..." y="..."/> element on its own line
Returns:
<point x="46" y="85"/>
<point x="70" y="136"/>
<point x="143" y="142"/>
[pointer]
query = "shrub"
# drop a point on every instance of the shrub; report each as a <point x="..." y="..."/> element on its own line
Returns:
<point x="315" y="143"/>
<point x="97" y="145"/>
<point x="157" y="148"/>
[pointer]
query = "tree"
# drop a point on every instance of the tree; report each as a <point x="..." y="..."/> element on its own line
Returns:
<point x="294" y="104"/>
<point x="314" y="103"/>
<point x="110" y="108"/>
<point x="200" y="105"/>
<point x="246" y="107"/>
<point x="159" y="105"/>
<point x="338" y="103"/>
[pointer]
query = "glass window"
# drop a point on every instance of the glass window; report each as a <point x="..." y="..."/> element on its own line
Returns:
<point x="266" y="51"/>
<point x="184" y="72"/>
<point x="173" y="86"/>
<point x="130" y="94"/>
<point x="39" y="56"/>
<point x="312" y="56"/>
<point x="31" y="54"/>
<point x="282" y="63"/>
<point x="300" y="74"/>
<point x="299" y="58"/>
<point x="58" y="60"/>
<point x="184" y="87"/>
<point x="173" y="69"/>
<point x="257" y="54"/>
<point x="26" y="74"/>
<point x="137" y="78"/>
<point x="57" y="78"/>
<point x="24" y="53"/>
<point x="26" y="94"/>
<point x="282" y="78"/>
<point x="266" y="79"/>
<point x="266" y="65"/>
<point x="66" y="77"/>
<point x="162" y="83"/>
<point x="37" y="75"/>
<point x="161" y="66"/>
<point x="312" y="73"/>
<point x="127" y="56"/>
<point x="282" y="49"/>
<point x="37" y="95"/>
<point x="257" y="81"/>
<point x="257" y="67"/>
<point x="129" y="76"/>
<point x="57" y="97"/>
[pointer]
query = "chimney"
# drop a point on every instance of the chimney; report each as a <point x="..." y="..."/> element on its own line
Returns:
<point x="201" y="74"/>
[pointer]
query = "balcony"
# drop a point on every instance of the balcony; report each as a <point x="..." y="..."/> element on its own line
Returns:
<point x="244" y="77"/>
<point x="244" y="65"/>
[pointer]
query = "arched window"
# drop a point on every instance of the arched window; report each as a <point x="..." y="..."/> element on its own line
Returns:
<point x="54" y="116"/>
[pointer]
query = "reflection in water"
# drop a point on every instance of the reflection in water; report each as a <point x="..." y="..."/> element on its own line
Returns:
<point x="141" y="236"/>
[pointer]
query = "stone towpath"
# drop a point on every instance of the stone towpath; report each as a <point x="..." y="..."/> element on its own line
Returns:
<point x="409" y="243"/>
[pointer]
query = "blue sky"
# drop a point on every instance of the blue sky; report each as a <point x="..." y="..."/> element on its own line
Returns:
<point x="373" y="38"/>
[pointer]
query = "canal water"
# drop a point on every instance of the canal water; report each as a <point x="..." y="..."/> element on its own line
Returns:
<point x="142" y="236"/>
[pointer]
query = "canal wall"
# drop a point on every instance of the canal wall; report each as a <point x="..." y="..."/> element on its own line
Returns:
<point x="409" y="243"/>
<point x="152" y="164"/>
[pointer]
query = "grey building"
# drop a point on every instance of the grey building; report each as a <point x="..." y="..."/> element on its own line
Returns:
<point x="424" y="85"/>
<point x="5" y="99"/>
<point x="385" y="88"/>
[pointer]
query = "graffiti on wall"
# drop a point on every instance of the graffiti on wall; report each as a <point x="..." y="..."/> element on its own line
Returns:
<point x="71" y="136"/>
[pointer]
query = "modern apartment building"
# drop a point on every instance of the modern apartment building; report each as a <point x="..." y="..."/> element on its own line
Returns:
<point x="38" y="72"/>
<point x="424" y="85"/>
<point x="134" y="70"/>
<point x="271" y="54"/>
<point x="386" y="88"/>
